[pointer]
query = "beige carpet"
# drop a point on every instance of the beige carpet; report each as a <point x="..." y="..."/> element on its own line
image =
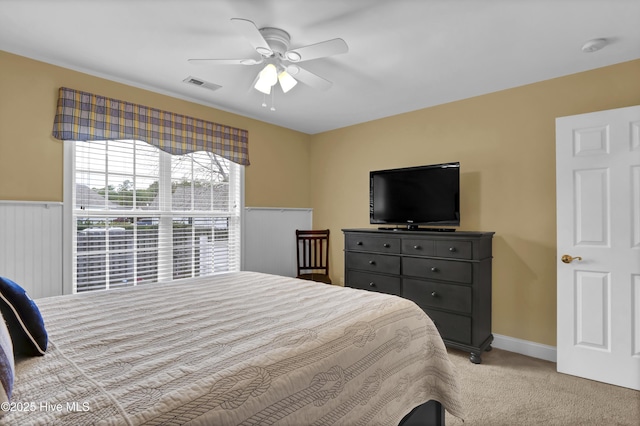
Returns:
<point x="512" y="389"/>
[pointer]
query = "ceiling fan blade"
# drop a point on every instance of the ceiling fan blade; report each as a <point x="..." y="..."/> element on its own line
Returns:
<point x="323" y="49"/>
<point x="226" y="61"/>
<point x="309" y="78"/>
<point x="249" y="30"/>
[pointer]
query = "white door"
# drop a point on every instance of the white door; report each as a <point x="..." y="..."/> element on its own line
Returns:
<point x="598" y="224"/>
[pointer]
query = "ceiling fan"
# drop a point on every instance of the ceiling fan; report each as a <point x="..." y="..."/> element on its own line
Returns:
<point x="273" y="46"/>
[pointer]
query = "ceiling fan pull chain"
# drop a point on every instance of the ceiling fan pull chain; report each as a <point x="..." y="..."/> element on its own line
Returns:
<point x="264" y="100"/>
<point x="273" y="97"/>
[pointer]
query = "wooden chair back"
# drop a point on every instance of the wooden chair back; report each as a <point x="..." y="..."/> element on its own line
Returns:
<point x="312" y="248"/>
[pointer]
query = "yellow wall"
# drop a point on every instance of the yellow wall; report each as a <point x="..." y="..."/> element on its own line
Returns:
<point x="505" y="142"/>
<point x="31" y="159"/>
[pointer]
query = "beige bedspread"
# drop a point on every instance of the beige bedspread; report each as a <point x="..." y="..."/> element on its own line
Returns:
<point x="235" y="349"/>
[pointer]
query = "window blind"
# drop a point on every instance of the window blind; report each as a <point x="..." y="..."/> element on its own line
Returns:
<point x="143" y="215"/>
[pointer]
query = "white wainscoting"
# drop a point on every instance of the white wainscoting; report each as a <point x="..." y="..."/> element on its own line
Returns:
<point x="269" y="239"/>
<point x="31" y="246"/>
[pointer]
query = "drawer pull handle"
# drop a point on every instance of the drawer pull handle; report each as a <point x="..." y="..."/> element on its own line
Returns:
<point x="417" y="247"/>
<point x="359" y="243"/>
<point x="434" y="269"/>
<point x="372" y="262"/>
<point x="434" y="294"/>
<point x="372" y="284"/>
<point x="386" y="245"/>
<point x="452" y="249"/>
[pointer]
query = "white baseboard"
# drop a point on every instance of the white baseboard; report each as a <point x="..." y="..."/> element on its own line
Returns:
<point x="525" y="347"/>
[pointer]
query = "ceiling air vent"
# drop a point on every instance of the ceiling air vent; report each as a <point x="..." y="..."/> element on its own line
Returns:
<point x="200" y="82"/>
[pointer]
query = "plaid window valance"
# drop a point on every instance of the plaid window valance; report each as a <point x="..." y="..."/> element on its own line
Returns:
<point x="83" y="116"/>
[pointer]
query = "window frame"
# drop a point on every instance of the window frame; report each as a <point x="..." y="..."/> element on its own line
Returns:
<point x="68" y="226"/>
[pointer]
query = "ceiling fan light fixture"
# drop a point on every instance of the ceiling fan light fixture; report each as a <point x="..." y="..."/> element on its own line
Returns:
<point x="286" y="81"/>
<point x="261" y="86"/>
<point x="269" y="74"/>
<point x="267" y="78"/>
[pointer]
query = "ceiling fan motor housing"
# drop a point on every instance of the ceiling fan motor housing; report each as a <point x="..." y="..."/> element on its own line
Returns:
<point x="277" y="39"/>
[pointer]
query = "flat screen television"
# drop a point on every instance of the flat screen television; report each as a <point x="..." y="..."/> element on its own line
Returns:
<point x="416" y="196"/>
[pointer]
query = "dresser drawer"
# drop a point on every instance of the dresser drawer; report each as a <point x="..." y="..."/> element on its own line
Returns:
<point x="373" y="262"/>
<point x="451" y="326"/>
<point x="454" y="249"/>
<point x="438" y="295"/>
<point x="373" y="282"/>
<point x="418" y="247"/>
<point x="375" y="244"/>
<point x="437" y="269"/>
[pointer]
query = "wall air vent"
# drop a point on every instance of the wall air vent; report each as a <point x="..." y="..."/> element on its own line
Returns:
<point x="201" y="83"/>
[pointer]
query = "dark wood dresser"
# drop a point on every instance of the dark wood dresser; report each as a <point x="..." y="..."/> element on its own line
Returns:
<point x="447" y="274"/>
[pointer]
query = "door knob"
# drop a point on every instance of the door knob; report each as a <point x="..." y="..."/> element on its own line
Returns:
<point x="568" y="259"/>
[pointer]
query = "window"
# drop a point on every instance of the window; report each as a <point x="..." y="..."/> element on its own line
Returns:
<point x="142" y="215"/>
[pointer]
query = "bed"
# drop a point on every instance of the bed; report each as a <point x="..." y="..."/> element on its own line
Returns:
<point x="234" y="349"/>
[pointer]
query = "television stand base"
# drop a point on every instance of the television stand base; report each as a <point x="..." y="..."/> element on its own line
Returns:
<point x="415" y="228"/>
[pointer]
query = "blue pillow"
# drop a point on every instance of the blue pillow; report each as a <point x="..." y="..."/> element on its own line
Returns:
<point x="23" y="318"/>
<point x="7" y="367"/>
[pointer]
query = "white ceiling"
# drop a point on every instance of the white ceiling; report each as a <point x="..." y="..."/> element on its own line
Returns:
<point x="403" y="54"/>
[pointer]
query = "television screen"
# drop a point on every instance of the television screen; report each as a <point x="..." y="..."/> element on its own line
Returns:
<point x="425" y="195"/>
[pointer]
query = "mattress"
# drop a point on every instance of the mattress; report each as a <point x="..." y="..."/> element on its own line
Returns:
<point x="234" y="349"/>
